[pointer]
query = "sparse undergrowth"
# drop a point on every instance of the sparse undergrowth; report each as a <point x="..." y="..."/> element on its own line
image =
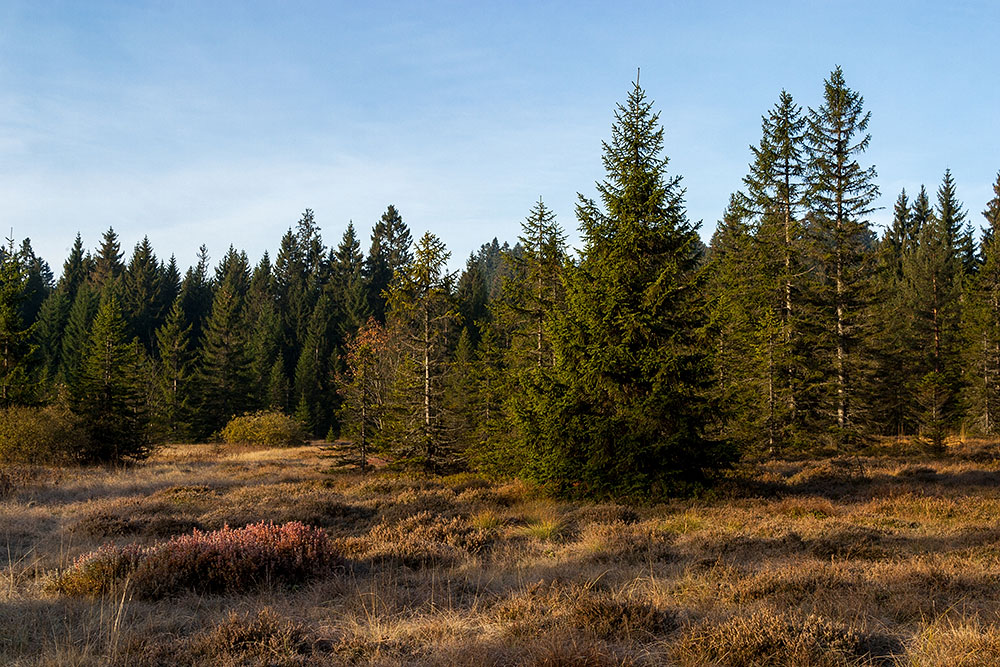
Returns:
<point x="862" y="561"/>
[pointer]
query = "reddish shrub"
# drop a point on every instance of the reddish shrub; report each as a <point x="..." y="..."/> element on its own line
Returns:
<point x="222" y="561"/>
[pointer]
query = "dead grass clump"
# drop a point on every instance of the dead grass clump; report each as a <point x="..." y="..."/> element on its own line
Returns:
<point x="544" y="529"/>
<point x="183" y="494"/>
<point x="570" y="649"/>
<point x="223" y="561"/>
<point x="15" y="478"/>
<point x="105" y="524"/>
<point x="852" y="542"/>
<point x="133" y="517"/>
<point x="611" y="617"/>
<point x="488" y="520"/>
<point x="304" y="502"/>
<point x="264" y="638"/>
<point x="465" y="481"/>
<point x="829" y="477"/>
<point x="803" y="507"/>
<point x="527" y="610"/>
<point x="715" y="547"/>
<point x="419" y="541"/>
<point x="408" y="503"/>
<point x="602" y="513"/>
<point x="765" y="638"/>
<point x="681" y="524"/>
<point x="919" y="473"/>
<point x="956" y="644"/>
<point x="627" y="542"/>
<point x="792" y="585"/>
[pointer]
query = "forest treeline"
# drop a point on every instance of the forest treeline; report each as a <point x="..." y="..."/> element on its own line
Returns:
<point x="642" y="362"/>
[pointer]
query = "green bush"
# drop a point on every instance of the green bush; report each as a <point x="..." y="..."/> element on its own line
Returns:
<point x="265" y="428"/>
<point x="45" y="435"/>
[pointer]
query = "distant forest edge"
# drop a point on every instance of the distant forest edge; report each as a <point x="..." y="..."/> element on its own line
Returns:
<point x="644" y="363"/>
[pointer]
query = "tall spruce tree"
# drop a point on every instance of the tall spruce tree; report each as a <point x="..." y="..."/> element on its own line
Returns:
<point x="420" y="318"/>
<point x="771" y="252"/>
<point x="628" y="409"/>
<point x="933" y="275"/>
<point x="841" y="194"/>
<point x="312" y="386"/>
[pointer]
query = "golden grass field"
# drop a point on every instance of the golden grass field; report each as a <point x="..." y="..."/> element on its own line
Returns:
<point x="855" y="561"/>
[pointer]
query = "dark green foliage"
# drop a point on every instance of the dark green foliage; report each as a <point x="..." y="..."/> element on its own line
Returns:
<point x="16" y="345"/>
<point x="840" y="194"/>
<point x="625" y="410"/>
<point x="74" y="340"/>
<point x="172" y="392"/>
<point x="933" y="274"/>
<point x="196" y="294"/>
<point x="756" y="285"/>
<point x="534" y="291"/>
<point x="48" y="335"/>
<point x="263" y="318"/>
<point x="746" y="301"/>
<point x="893" y="355"/>
<point x="108" y="261"/>
<point x="471" y="298"/>
<point x="982" y="327"/>
<point x="76" y="269"/>
<point x="347" y="285"/>
<point x="420" y="317"/>
<point x="38" y="281"/>
<point x="389" y="252"/>
<point x="312" y="372"/>
<point x="141" y="294"/>
<point x="223" y="371"/>
<point x="109" y="394"/>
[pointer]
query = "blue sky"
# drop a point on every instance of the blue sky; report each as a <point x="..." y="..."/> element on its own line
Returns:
<point x="219" y="122"/>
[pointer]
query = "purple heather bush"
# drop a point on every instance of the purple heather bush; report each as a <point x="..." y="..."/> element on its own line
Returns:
<point x="225" y="561"/>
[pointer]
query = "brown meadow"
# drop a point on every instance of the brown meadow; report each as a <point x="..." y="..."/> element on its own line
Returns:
<point x="877" y="560"/>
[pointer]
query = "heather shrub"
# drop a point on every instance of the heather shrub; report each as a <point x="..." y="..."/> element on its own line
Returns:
<point x="40" y="435"/>
<point x="99" y="571"/>
<point x="265" y="428"/>
<point x="222" y="561"/>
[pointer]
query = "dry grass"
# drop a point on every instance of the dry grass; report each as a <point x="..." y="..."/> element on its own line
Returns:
<point x="877" y="560"/>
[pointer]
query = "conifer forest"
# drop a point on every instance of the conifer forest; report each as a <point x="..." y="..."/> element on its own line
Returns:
<point x="643" y="363"/>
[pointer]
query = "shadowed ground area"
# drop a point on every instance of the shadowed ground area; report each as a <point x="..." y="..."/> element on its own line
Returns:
<point x="879" y="560"/>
